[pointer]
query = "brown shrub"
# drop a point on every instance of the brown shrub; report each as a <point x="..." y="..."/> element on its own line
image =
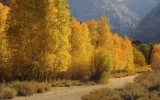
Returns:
<point x="7" y="93"/>
<point x="103" y="94"/>
<point x="133" y="91"/>
<point x="23" y="88"/>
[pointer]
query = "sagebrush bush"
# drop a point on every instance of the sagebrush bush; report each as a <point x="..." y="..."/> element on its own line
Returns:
<point x="23" y="88"/>
<point x="7" y="93"/>
<point x="42" y="87"/>
<point x="103" y="94"/>
<point x="149" y="80"/>
<point x="48" y="86"/>
<point x="154" y="95"/>
<point x="146" y="87"/>
<point x="10" y="90"/>
<point x="133" y="91"/>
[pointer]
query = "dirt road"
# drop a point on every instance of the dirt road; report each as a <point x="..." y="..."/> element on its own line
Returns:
<point x="76" y="92"/>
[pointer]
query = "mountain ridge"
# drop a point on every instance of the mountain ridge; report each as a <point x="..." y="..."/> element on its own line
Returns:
<point x="141" y="7"/>
<point x="122" y="19"/>
<point x="149" y="28"/>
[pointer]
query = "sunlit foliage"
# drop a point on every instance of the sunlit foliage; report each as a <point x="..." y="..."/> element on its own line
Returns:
<point x="123" y="60"/>
<point x="102" y="62"/>
<point x="41" y="41"/>
<point x="3" y="43"/>
<point x="155" y="59"/>
<point x="139" y="59"/>
<point x="38" y="37"/>
<point x="82" y="49"/>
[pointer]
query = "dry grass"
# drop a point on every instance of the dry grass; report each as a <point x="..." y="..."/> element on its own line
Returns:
<point x="121" y="74"/>
<point x="68" y="83"/>
<point x="146" y="68"/>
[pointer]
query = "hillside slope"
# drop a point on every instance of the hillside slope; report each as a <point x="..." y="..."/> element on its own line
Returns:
<point x="149" y="28"/>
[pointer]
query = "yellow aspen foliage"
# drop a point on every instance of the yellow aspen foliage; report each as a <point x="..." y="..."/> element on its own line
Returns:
<point x="123" y="54"/>
<point x="4" y="10"/>
<point x="139" y="59"/>
<point x="38" y="37"/>
<point x="155" y="57"/>
<point x="63" y="57"/>
<point x="93" y="30"/>
<point x="39" y="40"/>
<point x="119" y="63"/>
<point x="25" y="26"/>
<point x="105" y="36"/>
<point x="51" y="39"/>
<point x="3" y="45"/>
<point x="81" y="49"/>
<point x="128" y="54"/>
<point x="120" y="49"/>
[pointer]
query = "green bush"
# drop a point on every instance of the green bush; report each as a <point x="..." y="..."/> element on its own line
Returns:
<point x="23" y="88"/>
<point x="101" y="63"/>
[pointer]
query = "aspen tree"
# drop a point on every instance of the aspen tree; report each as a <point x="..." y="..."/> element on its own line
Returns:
<point x="63" y="57"/>
<point x="82" y="48"/>
<point x="155" y="57"/>
<point x="128" y="54"/>
<point x="105" y="36"/>
<point x="3" y="45"/>
<point x="93" y="30"/>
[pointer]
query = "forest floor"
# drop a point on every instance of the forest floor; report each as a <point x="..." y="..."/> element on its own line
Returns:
<point x="76" y="92"/>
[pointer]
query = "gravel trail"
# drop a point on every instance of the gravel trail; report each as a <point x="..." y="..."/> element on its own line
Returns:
<point x="76" y="92"/>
